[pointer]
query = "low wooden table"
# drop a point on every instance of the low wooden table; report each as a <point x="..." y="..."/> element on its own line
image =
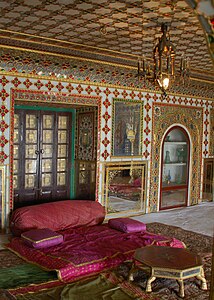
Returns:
<point x="168" y="262"/>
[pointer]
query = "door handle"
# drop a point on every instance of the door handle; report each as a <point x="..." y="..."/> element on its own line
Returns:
<point x="37" y="152"/>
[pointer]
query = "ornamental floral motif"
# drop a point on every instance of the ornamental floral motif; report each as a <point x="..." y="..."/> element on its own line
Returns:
<point x="106" y="116"/>
<point x="124" y="94"/>
<point x="69" y="87"/>
<point x="3" y="141"/>
<point x="155" y="97"/>
<point x="205" y="152"/>
<point x="106" y="103"/>
<point x="79" y="89"/>
<point x="147" y="107"/>
<point x="3" y="110"/>
<point x="146" y="142"/>
<point x="3" y="94"/>
<point x="4" y="80"/>
<point x="27" y="83"/>
<point x="147" y="96"/>
<point x="116" y="93"/>
<point x="105" y="154"/>
<point x="147" y="130"/>
<point x="97" y="90"/>
<point x="38" y="84"/>
<point x="132" y="95"/>
<point x="107" y="92"/>
<point x="147" y="118"/>
<point x="106" y="142"/>
<point x="3" y="156"/>
<point x="206" y="142"/>
<point x="3" y="126"/>
<point x="49" y="85"/>
<point x="89" y="89"/>
<point x="16" y="82"/>
<point x="185" y="101"/>
<point x="106" y="129"/>
<point x="146" y="154"/>
<point x="59" y="86"/>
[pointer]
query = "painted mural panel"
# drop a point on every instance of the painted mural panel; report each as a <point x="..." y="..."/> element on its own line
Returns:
<point x="127" y="128"/>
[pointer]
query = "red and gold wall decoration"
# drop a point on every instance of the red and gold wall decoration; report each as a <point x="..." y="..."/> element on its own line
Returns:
<point x="190" y="118"/>
<point x="194" y="112"/>
<point x="211" y="148"/>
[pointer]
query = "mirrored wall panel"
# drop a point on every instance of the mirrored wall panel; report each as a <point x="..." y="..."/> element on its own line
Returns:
<point x="124" y="187"/>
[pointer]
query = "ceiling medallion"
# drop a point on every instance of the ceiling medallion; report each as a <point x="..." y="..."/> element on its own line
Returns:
<point x="163" y="71"/>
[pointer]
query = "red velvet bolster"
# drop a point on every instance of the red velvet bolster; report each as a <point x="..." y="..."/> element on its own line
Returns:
<point x="57" y="216"/>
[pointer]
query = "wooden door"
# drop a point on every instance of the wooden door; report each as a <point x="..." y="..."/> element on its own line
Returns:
<point x="86" y="132"/>
<point x="42" y="156"/>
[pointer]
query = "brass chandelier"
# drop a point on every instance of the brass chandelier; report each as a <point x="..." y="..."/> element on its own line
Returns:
<point x="163" y="72"/>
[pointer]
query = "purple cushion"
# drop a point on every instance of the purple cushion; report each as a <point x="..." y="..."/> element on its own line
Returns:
<point x="127" y="225"/>
<point x="41" y="238"/>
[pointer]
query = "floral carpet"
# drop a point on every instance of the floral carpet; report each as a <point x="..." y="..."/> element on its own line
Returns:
<point x="161" y="288"/>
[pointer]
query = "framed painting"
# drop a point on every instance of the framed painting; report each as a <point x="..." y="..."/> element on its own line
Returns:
<point x="127" y="127"/>
<point x="2" y="197"/>
<point x="124" y="187"/>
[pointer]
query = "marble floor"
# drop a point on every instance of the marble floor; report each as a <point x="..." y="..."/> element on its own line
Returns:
<point x="198" y="218"/>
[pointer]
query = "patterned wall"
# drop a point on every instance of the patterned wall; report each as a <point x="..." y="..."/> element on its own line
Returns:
<point x="21" y="83"/>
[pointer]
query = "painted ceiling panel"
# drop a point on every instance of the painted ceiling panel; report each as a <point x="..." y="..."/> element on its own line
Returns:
<point x="121" y="29"/>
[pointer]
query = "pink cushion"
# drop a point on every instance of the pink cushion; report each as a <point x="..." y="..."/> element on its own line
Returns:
<point x="126" y="225"/>
<point x="57" y="216"/>
<point x="41" y="238"/>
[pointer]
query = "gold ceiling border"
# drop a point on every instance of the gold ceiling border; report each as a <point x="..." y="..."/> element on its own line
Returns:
<point x="125" y="66"/>
<point x="69" y="57"/>
<point x="120" y="55"/>
<point x="63" y="42"/>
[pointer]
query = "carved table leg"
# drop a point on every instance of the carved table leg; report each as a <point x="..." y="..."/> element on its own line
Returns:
<point x="148" y="285"/>
<point x="181" y="290"/>
<point x="131" y="275"/>
<point x="203" y="280"/>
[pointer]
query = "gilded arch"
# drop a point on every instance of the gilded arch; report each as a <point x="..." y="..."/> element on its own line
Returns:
<point x="164" y="116"/>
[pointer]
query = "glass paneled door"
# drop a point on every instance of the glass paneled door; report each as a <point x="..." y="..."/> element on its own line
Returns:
<point x="175" y="169"/>
<point x="42" y="156"/>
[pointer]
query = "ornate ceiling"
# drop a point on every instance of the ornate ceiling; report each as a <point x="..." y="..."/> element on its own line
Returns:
<point x="115" y="31"/>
